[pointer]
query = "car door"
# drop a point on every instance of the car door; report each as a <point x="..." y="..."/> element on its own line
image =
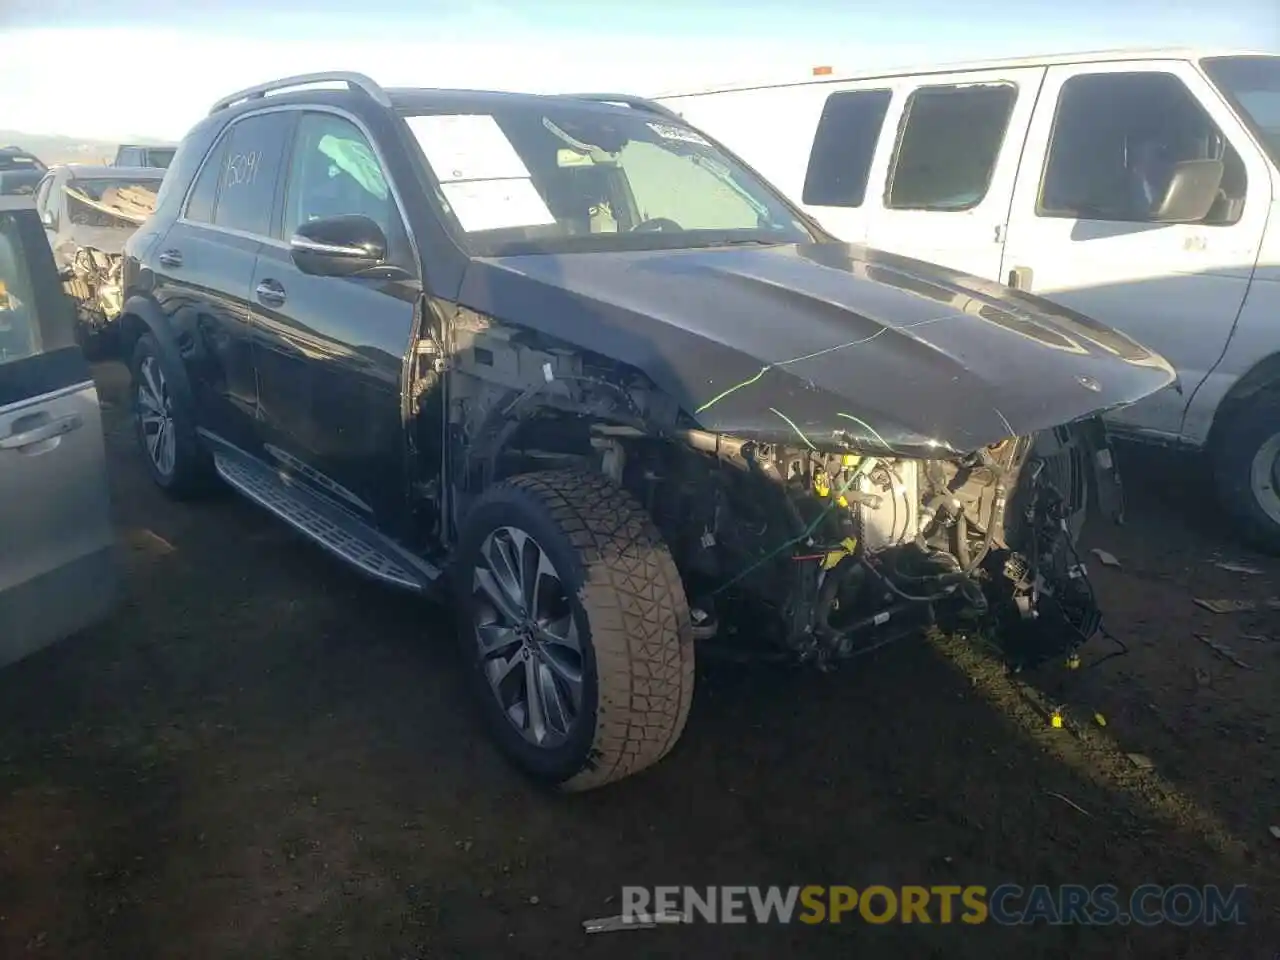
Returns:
<point x="329" y="351"/>
<point x="1081" y="234"/>
<point x="57" y="562"/>
<point x="203" y="270"/>
<point x="948" y="175"/>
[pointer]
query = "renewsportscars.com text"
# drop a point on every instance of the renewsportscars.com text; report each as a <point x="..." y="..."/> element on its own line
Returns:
<point x="1006" y="904"/>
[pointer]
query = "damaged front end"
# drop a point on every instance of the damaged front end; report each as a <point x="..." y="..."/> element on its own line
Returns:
<point x="827" y="555"/>
<point x="93" y="281"/>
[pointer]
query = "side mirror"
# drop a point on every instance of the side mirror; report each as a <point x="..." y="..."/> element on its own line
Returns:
<point x="46" y="217"/>
<point x="338" y="246"/>
<point x="1192" y="191"/>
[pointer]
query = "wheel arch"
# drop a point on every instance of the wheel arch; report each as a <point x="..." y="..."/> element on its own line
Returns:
<point x="141" y="315"/>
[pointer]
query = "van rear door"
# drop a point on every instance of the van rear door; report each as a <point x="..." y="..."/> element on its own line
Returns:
<point x="945" y="181"/>
<point x="57" y="564"/>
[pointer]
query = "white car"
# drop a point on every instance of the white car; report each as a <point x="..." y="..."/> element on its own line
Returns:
<point x="1139" y="188"/>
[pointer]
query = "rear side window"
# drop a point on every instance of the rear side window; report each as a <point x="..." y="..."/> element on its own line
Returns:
<point x="129" y="157"/>
<point x="249" y="166"/>
<point x="19" y="327"/>
<point x="843" y="148"/>
<point x="204" y="195"/>
<point x="948" y="144"/>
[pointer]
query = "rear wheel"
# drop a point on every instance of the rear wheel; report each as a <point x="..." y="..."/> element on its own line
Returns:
<point x="1246" y="462"/>
<point x="165" y="424"/>
<point x="575" y="628"/>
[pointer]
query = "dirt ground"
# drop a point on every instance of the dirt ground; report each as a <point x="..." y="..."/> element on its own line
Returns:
<point x="263" y="756"/>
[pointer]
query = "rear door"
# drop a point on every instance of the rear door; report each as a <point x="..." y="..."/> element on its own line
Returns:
<point x="57" y="571"/>
<point x="946" y="179"/>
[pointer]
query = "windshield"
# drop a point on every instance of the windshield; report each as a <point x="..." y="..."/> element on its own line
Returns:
<point x="556" y="179"/>
<point x="122" y="204"/>
<point x="1252" y="85"/>
<point x="12" y="160"/>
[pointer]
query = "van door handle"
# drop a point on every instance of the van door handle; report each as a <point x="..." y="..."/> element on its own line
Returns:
<point x="270" y="292"/>
<point x="1020" y="278"/>
<point x="47" y="430"/>
<point x="170" y="258"/>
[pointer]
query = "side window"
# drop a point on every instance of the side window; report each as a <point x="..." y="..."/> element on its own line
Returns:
<point x="19" y="329"/>
<point x="843" y="148"/>
<point x="1119" y="138"/>
<point x="334" y="171"/>
<point x="127" y="157"/>
<point x="948" y="143"/>
<point x="249" y="166"/>
<point x="204" y="195"/>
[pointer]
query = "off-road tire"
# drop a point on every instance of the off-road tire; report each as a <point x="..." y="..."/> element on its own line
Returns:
<point x="1236" y="442"/>
<point x="193" y="474"/>
<point x="632" y="617"/>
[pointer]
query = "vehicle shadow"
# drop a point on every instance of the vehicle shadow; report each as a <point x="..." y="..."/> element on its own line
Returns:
<point x="263" y="755"/>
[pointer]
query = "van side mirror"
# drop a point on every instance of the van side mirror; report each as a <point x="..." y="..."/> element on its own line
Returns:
<point x="338" y="246"/>
<point x="1192" y="191"/>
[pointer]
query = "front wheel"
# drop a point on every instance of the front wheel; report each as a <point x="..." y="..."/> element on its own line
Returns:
<point x="1246" y="463"/>
<point x="575" y="628"/>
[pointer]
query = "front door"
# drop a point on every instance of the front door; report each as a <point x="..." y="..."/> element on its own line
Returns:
<point x="57" y="565"/>
<point x="330" y="351"/>
<point x="952" y="168"/>
<point x="1083" y="230"/>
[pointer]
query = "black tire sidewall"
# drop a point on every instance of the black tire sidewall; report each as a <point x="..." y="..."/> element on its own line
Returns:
<point x="1243" y="434"/>
<point x="516" y="507"/>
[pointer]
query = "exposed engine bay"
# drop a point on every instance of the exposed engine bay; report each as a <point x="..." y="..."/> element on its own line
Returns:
<point x="93" y="281"/>
<point x="792" y="550"/>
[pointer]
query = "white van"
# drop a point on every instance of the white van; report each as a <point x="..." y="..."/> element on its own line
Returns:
<point x="1139" y="188"/>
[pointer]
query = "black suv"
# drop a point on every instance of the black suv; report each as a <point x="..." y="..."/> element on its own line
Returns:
<point x="573" y="362"/>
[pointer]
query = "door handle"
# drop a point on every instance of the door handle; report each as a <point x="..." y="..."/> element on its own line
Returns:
<point x="1020" y="278"/>
<point x="270" y="292"/>
<point x="47" y="430"/>
<point x="170" y="258"/>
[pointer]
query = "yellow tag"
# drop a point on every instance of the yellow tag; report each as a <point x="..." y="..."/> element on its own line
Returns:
<point x="849" y="459"/>
<point x="1100" y="719"/>
<point x="842" y="501"/>
<point x="1073" y="662"/>
<point x="850" y="544"/>
<point x="833" y="558"/>
<point x="1056" y="720"/>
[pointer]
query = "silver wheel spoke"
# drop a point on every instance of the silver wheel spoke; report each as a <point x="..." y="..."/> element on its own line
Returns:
<point x="537" y="722"/>
<point x="569" y="677"/>
<point x="499" y="668"/>
<point x="562" y="632"/>
<point x="494" y="638"/>
<point x="556" y="714"/>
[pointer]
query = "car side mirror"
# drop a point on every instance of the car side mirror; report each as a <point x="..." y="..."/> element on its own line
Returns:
<point x="338" y="246"/>
<point x="46" y="217"/>
<point x="1192" y="191"/>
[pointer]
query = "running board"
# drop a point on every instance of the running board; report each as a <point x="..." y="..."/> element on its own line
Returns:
<point x="342" y="534"/>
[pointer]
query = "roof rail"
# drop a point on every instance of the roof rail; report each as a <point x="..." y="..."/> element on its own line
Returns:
<point x="630" y="100"/>
<point x="356" y="81"/>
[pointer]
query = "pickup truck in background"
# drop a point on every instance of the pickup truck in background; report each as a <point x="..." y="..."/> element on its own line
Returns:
<point x="20" y="171"/>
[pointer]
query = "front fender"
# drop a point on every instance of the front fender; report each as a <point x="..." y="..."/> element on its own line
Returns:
<point x="142" y="315"/>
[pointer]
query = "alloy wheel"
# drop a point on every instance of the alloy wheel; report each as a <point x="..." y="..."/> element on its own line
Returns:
<point x="155" y="416"/>
<point x="529" y="647"/>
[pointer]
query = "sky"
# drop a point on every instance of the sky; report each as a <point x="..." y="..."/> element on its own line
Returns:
<point x="116" y="69"/>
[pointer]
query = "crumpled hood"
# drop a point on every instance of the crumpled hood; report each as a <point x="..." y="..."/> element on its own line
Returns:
<point x="828" y="343"/>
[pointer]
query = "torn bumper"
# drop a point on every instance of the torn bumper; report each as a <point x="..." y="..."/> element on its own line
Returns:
<point x="93" y="281"/>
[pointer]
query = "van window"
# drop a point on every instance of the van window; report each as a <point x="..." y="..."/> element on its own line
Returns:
<point x="948" y="143"/>
<point x="843" y="148"/>
<point x="1116" y="140"/>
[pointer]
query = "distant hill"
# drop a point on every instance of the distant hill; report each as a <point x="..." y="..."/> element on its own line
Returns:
<point x="53" y="148"/>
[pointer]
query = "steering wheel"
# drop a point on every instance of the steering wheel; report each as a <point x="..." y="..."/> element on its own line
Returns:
<point x="656" y="225"/>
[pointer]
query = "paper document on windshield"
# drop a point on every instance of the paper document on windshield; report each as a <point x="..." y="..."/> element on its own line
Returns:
<point x="496" y="204"/>
<point x="467" y="147"/>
